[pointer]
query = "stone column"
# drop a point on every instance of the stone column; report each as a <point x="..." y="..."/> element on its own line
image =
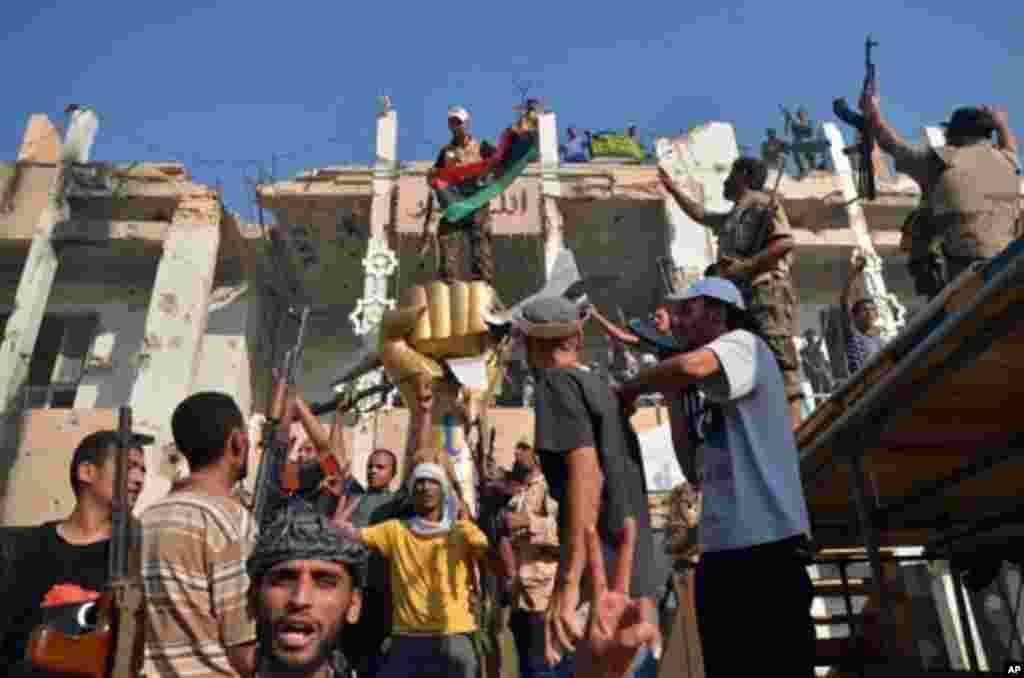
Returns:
<point x="176" y="321"/>
<point x="550" y="190"/>
<point x="706" y="154"/>
<point x="37" y="208"/>
<point x="379" y="265"/>
<point x="890" y="310"/>
<point x="225" y="364"/>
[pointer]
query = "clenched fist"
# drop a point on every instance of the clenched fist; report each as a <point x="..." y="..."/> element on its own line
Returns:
<point x="435" y="322"/>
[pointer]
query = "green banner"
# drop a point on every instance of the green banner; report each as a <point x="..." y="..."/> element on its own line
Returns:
<point x="616" y="146"/>
<point x="460" y="210"/>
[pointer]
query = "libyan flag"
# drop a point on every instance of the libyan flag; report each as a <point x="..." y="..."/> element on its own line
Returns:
<point x="516" y="152"/>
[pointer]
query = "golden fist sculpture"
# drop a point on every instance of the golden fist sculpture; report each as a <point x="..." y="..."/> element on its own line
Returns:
<point x="440" y="322"/>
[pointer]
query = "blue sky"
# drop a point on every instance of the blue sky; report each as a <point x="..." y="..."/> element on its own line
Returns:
<point x="221" y="85"/>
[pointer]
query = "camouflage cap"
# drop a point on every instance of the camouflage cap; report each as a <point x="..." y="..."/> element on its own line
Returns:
<point x="298" y="532"/>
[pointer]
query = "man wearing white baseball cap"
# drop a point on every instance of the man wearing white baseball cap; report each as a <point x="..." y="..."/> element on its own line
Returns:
<point x="468" y="240"/>
<point x="754" y="515"/>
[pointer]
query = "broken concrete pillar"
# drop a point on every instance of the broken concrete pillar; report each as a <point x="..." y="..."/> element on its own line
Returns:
<point x="706" y="154"/>
<point x="890" y="310"/>
<point x="224" y="363"/>
<point x="550" y="190"/>
<point x="39" y="216"/>
<point x="31" y="205"/>
<point x="176" y="322"/>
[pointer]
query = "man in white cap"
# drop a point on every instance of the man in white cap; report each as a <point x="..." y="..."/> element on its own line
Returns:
<point x="754" y="515"/>
<point x="471" y="235"/>
<point x="431" y="557"/>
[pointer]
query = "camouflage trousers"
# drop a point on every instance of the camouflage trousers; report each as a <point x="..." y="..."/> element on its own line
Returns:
<point x="774" y="305"/>
<point x="467" y="249"/>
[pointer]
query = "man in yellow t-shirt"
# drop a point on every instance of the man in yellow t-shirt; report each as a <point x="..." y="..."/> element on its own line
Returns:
<point x="431" y="558"/>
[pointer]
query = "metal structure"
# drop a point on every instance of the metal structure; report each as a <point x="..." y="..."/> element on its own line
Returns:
<point x="922" y="440"/>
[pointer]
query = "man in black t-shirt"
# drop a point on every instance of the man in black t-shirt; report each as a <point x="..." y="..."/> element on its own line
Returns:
<point x="591" y="459"/>
<point x="57" y="567"/>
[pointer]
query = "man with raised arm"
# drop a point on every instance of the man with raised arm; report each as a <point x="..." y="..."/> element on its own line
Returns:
<point x="754" y="516"/>
<point x="972" y="186"/>
<point x="755" y="247"/>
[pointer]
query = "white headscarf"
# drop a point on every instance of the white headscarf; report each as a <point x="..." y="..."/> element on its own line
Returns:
<point x="421" y="525"/>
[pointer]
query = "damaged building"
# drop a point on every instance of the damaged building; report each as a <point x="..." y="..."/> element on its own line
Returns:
<point x="132" y="284"/>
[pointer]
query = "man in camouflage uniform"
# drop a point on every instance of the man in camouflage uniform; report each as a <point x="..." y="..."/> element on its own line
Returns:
<point x="802" y="130"/>
<point x="755" y="251"/>
<point x="469" y="238"/>
<point x="773" y="150"/>
<point x="971" y="186"/>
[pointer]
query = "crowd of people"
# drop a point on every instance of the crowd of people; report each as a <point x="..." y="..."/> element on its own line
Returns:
<point x="387" y="580"/>
<point x="384" y="582"/>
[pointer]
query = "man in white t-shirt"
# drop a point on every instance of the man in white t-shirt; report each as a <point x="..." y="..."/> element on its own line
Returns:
<point x="754" y="522"/>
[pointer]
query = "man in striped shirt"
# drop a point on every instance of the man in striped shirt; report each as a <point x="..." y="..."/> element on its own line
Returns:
<point x="195" y="543"/>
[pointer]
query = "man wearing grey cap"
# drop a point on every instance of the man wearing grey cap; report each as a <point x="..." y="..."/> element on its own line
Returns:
<point x="591" y="459"/>
<point x="304" y="586"/>
<point x="754" y="516"/>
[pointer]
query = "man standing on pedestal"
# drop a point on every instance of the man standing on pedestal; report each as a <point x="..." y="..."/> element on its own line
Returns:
<point x="755" y="252"/>
<point x="469" y="238"/>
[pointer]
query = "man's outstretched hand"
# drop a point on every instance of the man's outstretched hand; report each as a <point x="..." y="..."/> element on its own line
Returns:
<point x="618" y="627"/>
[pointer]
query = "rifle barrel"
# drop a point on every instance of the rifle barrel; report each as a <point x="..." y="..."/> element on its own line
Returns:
<point x="329" y="406"/>
<point x="118" y="563"/>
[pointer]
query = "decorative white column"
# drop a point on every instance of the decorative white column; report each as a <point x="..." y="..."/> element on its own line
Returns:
<point x="550" y="189"/>
<point x="891" y="313"/>
<point x="380" y="264"/>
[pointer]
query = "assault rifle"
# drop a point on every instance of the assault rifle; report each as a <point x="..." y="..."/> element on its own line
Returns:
<point x="110" y="642"/>
<point x="320" y="409"/>
<point x="275" y="446"/>
<point x="868" y="134"/>
<point x="865" y="146"/>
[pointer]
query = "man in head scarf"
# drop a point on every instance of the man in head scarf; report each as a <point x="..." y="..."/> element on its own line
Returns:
<point x="430" y="556"/>
<point x="305" y="585"/>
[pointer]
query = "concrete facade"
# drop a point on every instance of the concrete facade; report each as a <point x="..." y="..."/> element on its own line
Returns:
<point x="119" y="285"/>
<point x="180" y="296"/>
